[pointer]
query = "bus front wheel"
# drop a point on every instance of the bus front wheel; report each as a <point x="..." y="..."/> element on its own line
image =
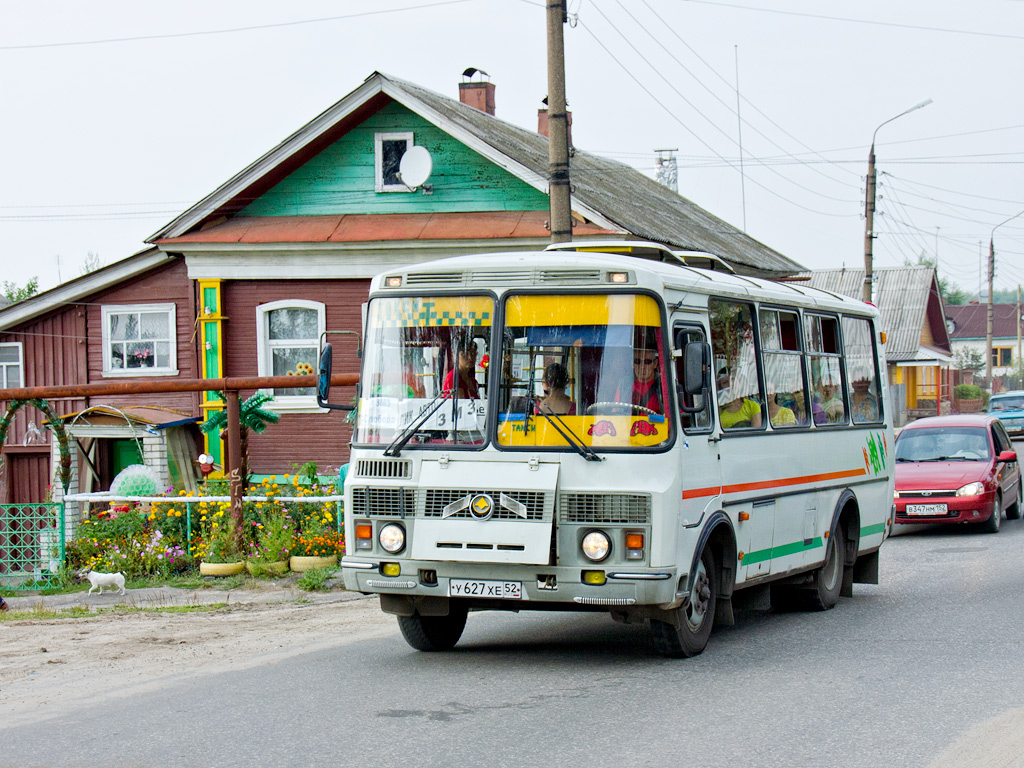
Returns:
<point x="433" y="633"/>
<point x="689" y="635"/>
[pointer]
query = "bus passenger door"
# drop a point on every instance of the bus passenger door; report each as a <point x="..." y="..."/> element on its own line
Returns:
<point x="755" y="530"/>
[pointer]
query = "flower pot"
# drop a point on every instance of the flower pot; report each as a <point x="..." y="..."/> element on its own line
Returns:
<point x="301" y="563"/>
<point x="279" y="567"/>
<point x="221" y="569"/>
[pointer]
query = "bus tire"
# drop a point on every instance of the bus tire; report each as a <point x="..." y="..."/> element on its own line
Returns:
<point x="689" y="635"/>
<point x="433" y="633"/>
<point x="828" y="580"/>
<point x="995" y="520"/>
<point x="1013" y="511"/>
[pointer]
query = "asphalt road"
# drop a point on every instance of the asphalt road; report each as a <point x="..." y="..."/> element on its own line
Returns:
<point x="922" y="670"/>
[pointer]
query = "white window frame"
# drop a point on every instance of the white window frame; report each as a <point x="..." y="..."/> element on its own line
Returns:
<point x="265" y="348"/>
<point x="20" y="364"/>
<point x="378" y="160"/>
<point x="122" y="309"/>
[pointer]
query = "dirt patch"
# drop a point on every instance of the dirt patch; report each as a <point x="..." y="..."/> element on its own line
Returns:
<point x="134" y="644"/>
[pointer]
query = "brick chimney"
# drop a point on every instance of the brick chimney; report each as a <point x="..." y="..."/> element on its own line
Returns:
<point x="542" y="123"/>
<point x="479" y="94"/>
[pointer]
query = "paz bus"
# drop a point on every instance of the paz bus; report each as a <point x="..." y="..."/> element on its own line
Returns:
<point x="608" y="427"/>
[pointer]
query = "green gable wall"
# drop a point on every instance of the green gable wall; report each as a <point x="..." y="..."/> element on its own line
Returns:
<point x="341" y="178"/>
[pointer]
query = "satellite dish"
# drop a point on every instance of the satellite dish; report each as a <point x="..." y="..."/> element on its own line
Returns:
<point x="415" y="166"/>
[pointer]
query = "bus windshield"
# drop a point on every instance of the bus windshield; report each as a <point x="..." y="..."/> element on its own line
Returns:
<point x="423" y="378"/>
<point x="582" y="368"/>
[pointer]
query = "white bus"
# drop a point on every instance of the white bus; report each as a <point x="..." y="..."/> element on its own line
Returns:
<point x="605" y="428"/>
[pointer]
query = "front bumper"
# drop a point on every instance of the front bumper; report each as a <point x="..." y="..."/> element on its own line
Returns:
<point x="542" y="585"/>
<point x="960" y="509"/>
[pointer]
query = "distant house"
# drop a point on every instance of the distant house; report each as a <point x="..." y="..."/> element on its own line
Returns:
<point x="968" y="329"/>
<point x="917" y="349"/>
<point x="247" y="280"/>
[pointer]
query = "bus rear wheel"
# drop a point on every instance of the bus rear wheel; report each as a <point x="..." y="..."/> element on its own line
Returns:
<point x="828" y="580"/>
<point x="434" y="633"/>
<point x="689" y="636"/>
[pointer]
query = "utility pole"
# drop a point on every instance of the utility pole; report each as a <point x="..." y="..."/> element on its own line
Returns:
<point x="869" y="208"/>
<point x="988" y="321"/>
<point x="558" y="127"/>
<point x="1020" y="367"/>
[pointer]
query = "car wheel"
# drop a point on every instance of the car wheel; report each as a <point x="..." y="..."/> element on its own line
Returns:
<point x="1013" y="511"/>
<point x="995" y="521"/>
<point x="433" y="633"/>
<point x="695" y="620"/>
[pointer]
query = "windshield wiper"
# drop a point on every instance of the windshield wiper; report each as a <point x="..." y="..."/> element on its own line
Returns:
<point x="395" y="449"/>
<point x="578" y="445"/>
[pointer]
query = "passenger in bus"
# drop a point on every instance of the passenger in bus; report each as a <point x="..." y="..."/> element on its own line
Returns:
<point x="863" y="404"/>
<point x="555" y="401"/>
<point x="735" y="412"/>
<point x="827" y="405"/>
<point x="780" y="415"/>
<point x="468" y="388"/>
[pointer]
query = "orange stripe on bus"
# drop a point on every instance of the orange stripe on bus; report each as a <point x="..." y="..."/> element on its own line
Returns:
<point x="696" y="493"/>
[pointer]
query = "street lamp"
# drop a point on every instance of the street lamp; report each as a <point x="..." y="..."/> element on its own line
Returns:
<point x="988" y="322"/>
<point x="869" y="206"/>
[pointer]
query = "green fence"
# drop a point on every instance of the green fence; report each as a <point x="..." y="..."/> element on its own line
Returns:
<point x="31" y="545"/>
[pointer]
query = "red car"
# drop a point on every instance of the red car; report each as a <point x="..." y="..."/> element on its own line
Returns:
<point x="957" y="469"/>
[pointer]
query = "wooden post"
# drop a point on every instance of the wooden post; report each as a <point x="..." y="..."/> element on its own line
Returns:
<point x="235" y="457"/>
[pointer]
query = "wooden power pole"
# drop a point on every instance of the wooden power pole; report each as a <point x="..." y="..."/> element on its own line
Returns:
<point x="558" y="128"/>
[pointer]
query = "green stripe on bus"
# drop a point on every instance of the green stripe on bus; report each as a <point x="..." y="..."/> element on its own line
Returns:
<point x="870" y="530"/>
<point x="781" y="551"/>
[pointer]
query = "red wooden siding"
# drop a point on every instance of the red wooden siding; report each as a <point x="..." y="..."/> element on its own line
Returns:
<point x="301" y="437"/>
<point x="167" y="285"/>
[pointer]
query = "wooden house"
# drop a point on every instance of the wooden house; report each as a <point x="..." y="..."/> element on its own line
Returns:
<point x="252" y="275"/>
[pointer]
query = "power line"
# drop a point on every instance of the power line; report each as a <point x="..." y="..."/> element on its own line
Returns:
<point x="229" y="30"/>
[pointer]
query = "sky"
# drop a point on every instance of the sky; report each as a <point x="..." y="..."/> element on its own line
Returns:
<point x="117" y="115"/>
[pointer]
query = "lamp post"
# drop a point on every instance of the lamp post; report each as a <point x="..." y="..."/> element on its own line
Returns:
<point x="988" y="313"/>
<point x="869" y="206"/>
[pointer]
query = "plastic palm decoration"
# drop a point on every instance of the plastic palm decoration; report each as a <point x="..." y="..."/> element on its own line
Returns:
<point x="251" y="416"/>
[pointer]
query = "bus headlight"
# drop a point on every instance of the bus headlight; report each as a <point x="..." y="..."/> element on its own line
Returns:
<point x="392" y="538"/>
<point x="596" y="546"/>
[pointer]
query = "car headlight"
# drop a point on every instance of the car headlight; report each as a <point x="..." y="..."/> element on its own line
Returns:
<point x="971" y="489"/>
<point x="392" y="538"/>
<point x="596" y="546"/>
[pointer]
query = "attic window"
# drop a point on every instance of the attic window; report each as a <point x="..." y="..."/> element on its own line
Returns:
<point x="388" y="151"/>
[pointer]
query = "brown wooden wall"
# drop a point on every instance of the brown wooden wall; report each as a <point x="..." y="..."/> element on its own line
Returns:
<point x="65" y="347"/>
<point x="169" y="284"/>
<point x="301" y="437"/>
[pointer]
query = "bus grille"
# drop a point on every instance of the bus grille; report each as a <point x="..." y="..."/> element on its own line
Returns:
<point x="437" y="499"/>
<point x="384" y="502"/>
<point x="633" y="509"/>
<point x="383" y="469"/>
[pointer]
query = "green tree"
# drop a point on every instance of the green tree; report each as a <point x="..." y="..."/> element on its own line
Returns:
<point x="951" y="293"/>
<point x="252" y="416"/>
<point x="91" y="262"/>
<point x="969" y="359"/>
<point x="13" y="293"/>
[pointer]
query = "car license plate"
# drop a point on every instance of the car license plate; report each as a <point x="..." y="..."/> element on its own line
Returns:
<point x="926" y="510"/>
<point x="502" y="590"/>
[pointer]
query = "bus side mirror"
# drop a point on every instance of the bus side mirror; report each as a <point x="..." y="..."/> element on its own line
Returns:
<point x="323" y="380"/>
<point x="696" y="374"/>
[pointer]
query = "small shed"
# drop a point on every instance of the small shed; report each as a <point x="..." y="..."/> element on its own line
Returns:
<point x="108" y="438"/>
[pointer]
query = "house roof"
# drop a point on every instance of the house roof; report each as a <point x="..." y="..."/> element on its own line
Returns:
<point x="612" y="196"/>
<point x="157" y="417"/>
<point x="909" y="302"/>
<point x="80" y="287"/>
<point x="970" y="321"/>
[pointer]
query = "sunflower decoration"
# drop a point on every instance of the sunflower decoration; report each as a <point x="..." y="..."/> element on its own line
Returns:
<point x="303" y="369"/>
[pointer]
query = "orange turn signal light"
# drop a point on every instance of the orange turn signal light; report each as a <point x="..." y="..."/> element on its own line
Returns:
<point x="744" y="516"/>
<point x="634" y="541"/>
<point x="364" y="531"/>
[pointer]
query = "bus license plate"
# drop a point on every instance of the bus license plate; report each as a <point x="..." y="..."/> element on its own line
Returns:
<point x="502" y="590"/>
<point x="926" y="510"/>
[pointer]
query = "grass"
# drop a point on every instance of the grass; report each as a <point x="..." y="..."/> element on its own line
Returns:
<point x="39" y="613"/>
<point x="315" y="580"/>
